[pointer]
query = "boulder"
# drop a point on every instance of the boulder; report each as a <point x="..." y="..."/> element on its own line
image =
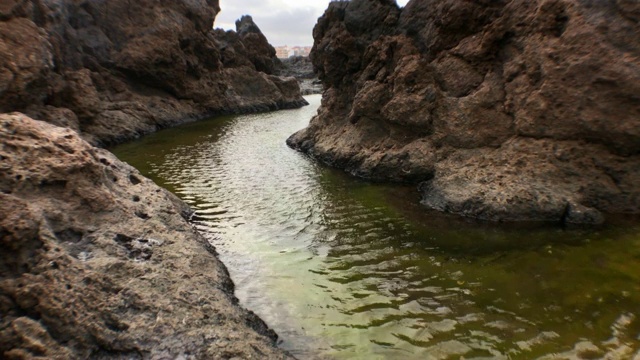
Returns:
<point x="301" y="68"/>
<point x="129" y="68"/>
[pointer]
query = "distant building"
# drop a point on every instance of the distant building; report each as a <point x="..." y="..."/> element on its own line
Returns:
<point x="283" y="52"/>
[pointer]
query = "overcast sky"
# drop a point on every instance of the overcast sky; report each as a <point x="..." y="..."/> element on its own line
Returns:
<point x="283" y="22"/>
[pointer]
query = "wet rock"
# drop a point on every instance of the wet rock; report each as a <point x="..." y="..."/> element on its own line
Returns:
<point x="299" y="67"/>
<point x="506" y="110"/>
<point x="128" y="68"/>
<point x="96" y="261"/>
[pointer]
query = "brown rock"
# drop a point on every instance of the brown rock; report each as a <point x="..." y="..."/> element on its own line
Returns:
<point x="128" y="68"/>
<point x="98" y="262"/>
<point x="514" y="110"/>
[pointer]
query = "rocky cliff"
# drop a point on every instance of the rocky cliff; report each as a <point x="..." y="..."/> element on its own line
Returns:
<point x="501" y="110"/>
<point x="98" y="262"/>
<point x="116" y="69"/>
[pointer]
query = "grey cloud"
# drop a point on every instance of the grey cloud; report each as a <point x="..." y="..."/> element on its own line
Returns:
<point x="281" y="25"/>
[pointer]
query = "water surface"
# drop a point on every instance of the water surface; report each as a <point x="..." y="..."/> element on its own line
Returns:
<point x="343" y="268"/>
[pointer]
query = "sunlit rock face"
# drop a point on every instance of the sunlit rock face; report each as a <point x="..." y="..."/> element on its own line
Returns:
<point x="114" y="70"/>
<point x="98" y="262"/>
<point x="502" y="110"/>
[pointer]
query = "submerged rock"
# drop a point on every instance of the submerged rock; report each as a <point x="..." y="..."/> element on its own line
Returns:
<point x="502" y="110"/>
<point x="97" y="261"/>
<point x="117" y="69"/>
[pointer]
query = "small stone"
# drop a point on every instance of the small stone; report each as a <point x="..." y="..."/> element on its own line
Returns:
<point x="580" y="214"/>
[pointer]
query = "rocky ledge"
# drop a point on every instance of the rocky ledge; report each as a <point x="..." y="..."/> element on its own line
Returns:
<point x="115" y="70"/>
<point x="501" y="110"/>
<point x="301" y="68"/>
<point x="98" y="262"/>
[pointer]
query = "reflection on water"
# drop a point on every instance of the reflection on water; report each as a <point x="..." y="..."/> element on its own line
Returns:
<point x="343" y="268"/>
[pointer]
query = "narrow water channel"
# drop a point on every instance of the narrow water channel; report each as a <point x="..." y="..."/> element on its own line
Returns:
<point x="343" y="268"/>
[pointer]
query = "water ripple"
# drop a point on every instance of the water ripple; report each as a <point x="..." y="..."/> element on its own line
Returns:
<point x="338" y="269"/>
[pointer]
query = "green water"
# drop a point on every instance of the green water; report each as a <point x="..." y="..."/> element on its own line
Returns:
<point x="343" y="268"/>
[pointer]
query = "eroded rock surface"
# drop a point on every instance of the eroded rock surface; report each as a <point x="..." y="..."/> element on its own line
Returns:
<point x="117" y="69"/>
<point x="502" y="110"/>
<point x="97" y="261"/>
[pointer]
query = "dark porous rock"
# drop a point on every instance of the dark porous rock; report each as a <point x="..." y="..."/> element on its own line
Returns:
<point x="505" y="110"/>
<point x="127" y="68"/>
<point x="98" y="262"/>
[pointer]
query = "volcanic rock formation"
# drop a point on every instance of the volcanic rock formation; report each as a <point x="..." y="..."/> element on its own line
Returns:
<point x="502" y="110"/>
<point x="97" y="261"/>
<point x="116" y="69"/>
